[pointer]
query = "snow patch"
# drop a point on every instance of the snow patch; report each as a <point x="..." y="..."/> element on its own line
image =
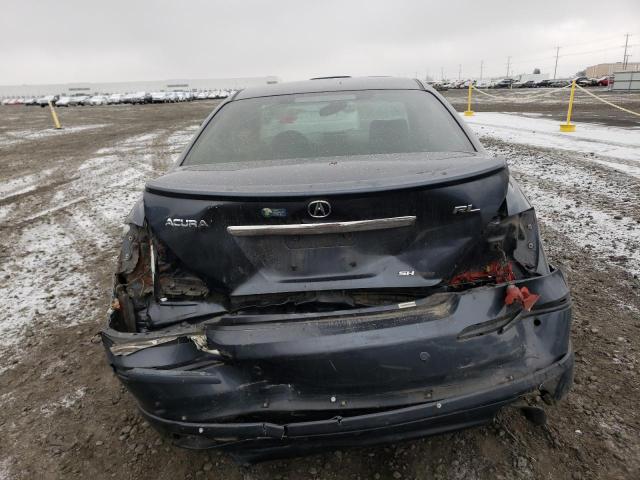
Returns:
<point x="616" y="142"/>
<point x="595" y="231"/>
<point x="23" y="184"/>
<point x="5" y="471"/>
<point x="64" y="402"/>
<point x="49" y="274"/>
<point x="130" y="144"/>
<point x="42" y="279"/>
<point x="12" y="138"/>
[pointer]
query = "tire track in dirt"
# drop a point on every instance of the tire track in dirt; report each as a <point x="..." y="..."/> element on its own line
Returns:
<point x="80" y="221"/>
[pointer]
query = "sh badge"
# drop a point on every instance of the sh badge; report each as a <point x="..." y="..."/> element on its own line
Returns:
<point x="407" y="273"/>
<point x="274" y="212"/>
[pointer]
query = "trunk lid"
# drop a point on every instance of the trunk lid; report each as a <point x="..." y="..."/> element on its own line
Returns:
<point x="213" y="219"/>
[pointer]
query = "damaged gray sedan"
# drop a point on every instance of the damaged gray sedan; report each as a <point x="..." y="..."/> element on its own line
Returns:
<point x="330" y="263"/>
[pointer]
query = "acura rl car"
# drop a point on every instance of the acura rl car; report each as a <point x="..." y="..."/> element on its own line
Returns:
<point x="334" y="262"/>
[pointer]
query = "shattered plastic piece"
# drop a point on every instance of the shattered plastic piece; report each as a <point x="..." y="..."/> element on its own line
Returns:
<point x="522" y="296"/>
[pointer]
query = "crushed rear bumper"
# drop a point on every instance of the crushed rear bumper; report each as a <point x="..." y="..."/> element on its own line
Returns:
<point x="268" y="386"/>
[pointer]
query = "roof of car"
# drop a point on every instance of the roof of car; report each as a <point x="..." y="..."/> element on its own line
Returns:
<point x="331" y="84"/>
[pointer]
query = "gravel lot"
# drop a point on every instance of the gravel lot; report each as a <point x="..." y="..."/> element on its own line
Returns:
<point x="63" y="414"/>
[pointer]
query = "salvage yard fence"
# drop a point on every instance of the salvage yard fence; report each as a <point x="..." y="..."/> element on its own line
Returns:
<point x="564" y="127"/>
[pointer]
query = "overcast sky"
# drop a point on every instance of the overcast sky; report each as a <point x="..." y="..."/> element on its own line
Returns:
<point x="117" y="40"/>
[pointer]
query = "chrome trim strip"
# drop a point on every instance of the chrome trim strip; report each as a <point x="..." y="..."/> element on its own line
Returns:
<point x="320" y="228"/>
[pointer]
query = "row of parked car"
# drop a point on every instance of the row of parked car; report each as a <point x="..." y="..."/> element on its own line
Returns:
<point x="119" y="98"/>
<point x="513" y="83"/>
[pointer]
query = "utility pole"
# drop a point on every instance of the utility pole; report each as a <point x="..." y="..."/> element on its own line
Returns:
<point x="481" y="65"/>
<point x="625" y="57"/>
<point x="508" y="65"/>
<point x="460" y="72"/>
<point x="555" y="69"/>
<point x="442" y="73"/>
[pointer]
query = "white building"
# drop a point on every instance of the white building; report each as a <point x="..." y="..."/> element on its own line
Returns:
<point x="626" y="81"/>
<point x="536" y="77"/>
<point x="130" y="87"/>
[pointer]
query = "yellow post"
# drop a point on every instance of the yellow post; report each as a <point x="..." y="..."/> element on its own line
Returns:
<point x="569" y="127"/>
<point x="54" y="115"/>
<point x="468" y="112"/>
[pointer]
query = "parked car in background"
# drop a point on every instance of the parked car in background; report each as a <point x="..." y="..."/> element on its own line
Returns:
<point x="544" y="83"/>
<point x="483" y="83"/>
<point x="159" y="97"/>
<point x="30" y="101"/>
<point x="79" y="100"/>
<point x="115" y="98"/>
<point x="605" y="81"/>
<point x="439" y="86"/>
<point x="504" y="83"/>
<point x="63" y="101"/>
<point x="98" y="100"/>
<point x="139" y="98"/>
<point x="525" y="84"/>
<point x="561" y="82"/>
<point x="586" y="81"/>
<point x="44" y="101"/>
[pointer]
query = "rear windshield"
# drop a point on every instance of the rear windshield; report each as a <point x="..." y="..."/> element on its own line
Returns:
<point x="328" y="124"/>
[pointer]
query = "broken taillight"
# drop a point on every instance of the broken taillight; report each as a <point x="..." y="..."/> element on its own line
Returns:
<point x="497" y="272"/>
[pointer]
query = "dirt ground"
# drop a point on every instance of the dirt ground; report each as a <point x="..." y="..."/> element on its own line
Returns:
<point x="63" y="414"/>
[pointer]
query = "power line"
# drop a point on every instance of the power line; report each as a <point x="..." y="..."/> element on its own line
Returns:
<point x="552" y="60"/>
<point x="597" y="40"/>
<point x="519" y="60"/>
<point x="590" y="42"/>
<point x="589" y="52"/>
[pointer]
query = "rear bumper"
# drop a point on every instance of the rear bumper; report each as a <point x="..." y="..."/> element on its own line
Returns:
<point x="256" y="441"/>
<point x="273" y="386"/>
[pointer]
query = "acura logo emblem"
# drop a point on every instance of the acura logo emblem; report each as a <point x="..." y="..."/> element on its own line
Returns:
<point x="319" y="209"/>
